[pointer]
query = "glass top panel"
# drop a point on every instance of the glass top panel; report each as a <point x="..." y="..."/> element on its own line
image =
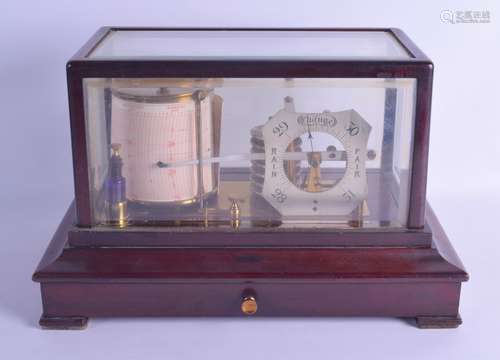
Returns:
<point x="249" y="44"/>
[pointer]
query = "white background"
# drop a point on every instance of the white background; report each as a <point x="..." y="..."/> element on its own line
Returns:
<point x="36" y="39"/>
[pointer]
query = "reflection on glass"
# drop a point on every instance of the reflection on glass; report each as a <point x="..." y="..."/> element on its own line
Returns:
<point x="250" y="153"/>
<point x="127" y="44"/>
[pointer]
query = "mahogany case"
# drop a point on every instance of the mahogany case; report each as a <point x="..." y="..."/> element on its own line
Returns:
<point x="90" y="270"/>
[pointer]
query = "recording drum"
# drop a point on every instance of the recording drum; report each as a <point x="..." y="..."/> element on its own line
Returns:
<point x="159" y="124"/>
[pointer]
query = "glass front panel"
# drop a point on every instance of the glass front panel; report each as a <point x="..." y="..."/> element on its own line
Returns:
<point x="249" y="44"/>
<point x="250" y="153"/>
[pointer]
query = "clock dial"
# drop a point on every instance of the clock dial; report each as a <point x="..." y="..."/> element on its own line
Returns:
<point x="296" y="181"/>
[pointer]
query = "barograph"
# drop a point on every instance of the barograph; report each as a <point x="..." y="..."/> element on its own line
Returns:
<point x="250" y="172"/>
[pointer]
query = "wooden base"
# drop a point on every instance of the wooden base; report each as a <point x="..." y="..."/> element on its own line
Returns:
<point x="64" y="322"/>
<point x="81" y="322"/>
<point x="438" y="322"/>
<point x="81" y="282"/>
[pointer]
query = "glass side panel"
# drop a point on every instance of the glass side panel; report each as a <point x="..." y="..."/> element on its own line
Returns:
<point x="128" y="44"/>
<point x="283" y="153"/>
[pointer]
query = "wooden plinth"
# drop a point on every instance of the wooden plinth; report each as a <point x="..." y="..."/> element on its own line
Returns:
<point x="81" y="282"/>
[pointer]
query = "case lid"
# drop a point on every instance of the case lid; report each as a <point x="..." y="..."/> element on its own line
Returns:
<point x="249" y="44"/>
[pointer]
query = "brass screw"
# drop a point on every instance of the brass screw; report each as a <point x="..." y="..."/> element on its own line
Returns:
<point x="115" y="149"/>
<point x="235" y="211"/>
<point x="249" y="305"/>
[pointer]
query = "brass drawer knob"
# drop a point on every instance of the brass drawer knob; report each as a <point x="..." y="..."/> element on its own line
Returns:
<point x="249" y="305"/>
